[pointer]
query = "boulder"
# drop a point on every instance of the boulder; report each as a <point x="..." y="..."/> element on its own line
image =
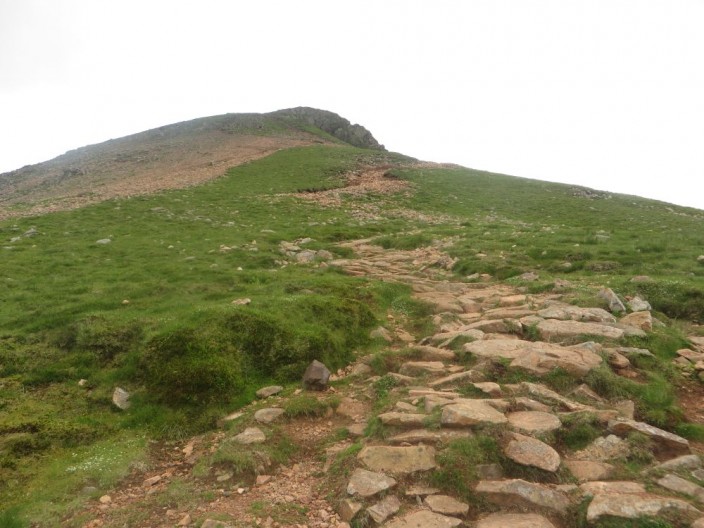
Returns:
<point x="316" y="376"/>
<point x="517" y="492"/>
<point x="514" y="520"/>
<point x="470" y="412"/>
<point x="368" y="483"/>
<point x="529" y="451"/>
<point x="639" y="305"/>
<point x="398" y="459"/>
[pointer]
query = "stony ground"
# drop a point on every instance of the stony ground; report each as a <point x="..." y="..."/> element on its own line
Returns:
<point x="369" y="457"/>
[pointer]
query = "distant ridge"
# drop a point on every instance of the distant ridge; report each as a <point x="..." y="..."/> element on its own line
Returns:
<point x="171" y="156"/>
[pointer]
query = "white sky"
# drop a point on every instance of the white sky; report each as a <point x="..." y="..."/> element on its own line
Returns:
<point x="603" y="93"/>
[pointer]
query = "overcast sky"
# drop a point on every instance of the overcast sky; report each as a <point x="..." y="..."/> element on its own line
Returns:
<point x="603" y="93"/>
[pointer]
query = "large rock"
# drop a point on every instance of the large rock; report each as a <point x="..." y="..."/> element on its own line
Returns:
<point x="470" y="412"/>
<point x="680" y="485"/>
<point x="634" y="506"/>
<point x="666" y="444"/>
<point x="514" y="520"/>
<point x="575" y="313"/>
<point x="384" y="509"/>
<point x="251" y="435"/>
<point x="684" y="462"/>
<point x="446" y="505"/>
<point x="536" y="357"/>
<point x="517" y="492"/>
<point x="529" y="451"/>
<point x="533" y="422"/>
<point x="368" y="483"/>
<point x="555" y="329"/>
<point x="398" y="459"/>
<point x="316" y="376"/>
<point x="423" y="519"/>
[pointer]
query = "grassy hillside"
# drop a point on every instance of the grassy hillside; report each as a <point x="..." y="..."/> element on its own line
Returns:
<point x="138" y="293"/>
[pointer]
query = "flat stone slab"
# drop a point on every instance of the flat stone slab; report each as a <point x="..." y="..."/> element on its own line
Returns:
<point x="398" y="459"/>
<point x="553" y="328"/>
<point x="536" y="357"/>
<point x="666" y="443"/>
<point x="423" y="519"/>
<point x="430" y="353"/>
<point x="467" y="375"/>
<point x="368" y="483"/>
<point x="575" y="313"/>
<point x="425" y="436"/>
<point x="469" y="413"/>
<point x="588" y="470"/>
<point x="618" y="486"/>
<point x="265" y="392"/>
<point x="684" y="462"/>
<point x="446" y="505"/>
<point x="633" y="506"/>
<point x="267" y="416"/>
<point x="251" y="435"/>
<point x="517" y="492"/>
<point x="403" y="419"/>
<point x="529" y="451"/>
<point x="414" y="368"/>
<point x="680" y="485"/>
<point x="533" y="422"/>
<point x="514" y="520"/>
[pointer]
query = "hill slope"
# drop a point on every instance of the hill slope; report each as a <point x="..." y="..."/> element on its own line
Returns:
<point x="168" y="157"/>
<point x="191" y="299"/>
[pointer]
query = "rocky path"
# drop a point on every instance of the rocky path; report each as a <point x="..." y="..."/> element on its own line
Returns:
<point x="379" y="457"/>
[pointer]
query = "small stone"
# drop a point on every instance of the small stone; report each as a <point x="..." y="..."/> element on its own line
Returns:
<point x="267" y="416"/>
<point x="490" y="388"/>
<point x="639" y="305"/>
<point x="615" y="304"/>
<point x="242" y="302"/>
<point x="211" y="523"/>
<point x="384" y="509"/>
<point x="489" y="471"/>
<point x="105" y="499"/>
<point x="588" y="470"/>
<point x="263" y="479"/>
<point x="251" y="435"/>
<point x="151" y="481"/>
<point x="421" y="491"/>
<point x="120" y="397"/>
<point x="381" y="333"/>
<point x="103" y="241"/>
<point x="529" y="451"/>
<point x="642" y="320"/>
<point x="446" y="505"/>
<point x="348" y="509"/>
<point x="185" y="520"/>
<point x="265" y="392"/>
<point x="368" y="483"/>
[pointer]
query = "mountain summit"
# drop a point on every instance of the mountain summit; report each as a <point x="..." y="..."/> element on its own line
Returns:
<point x="172" y="156"/>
